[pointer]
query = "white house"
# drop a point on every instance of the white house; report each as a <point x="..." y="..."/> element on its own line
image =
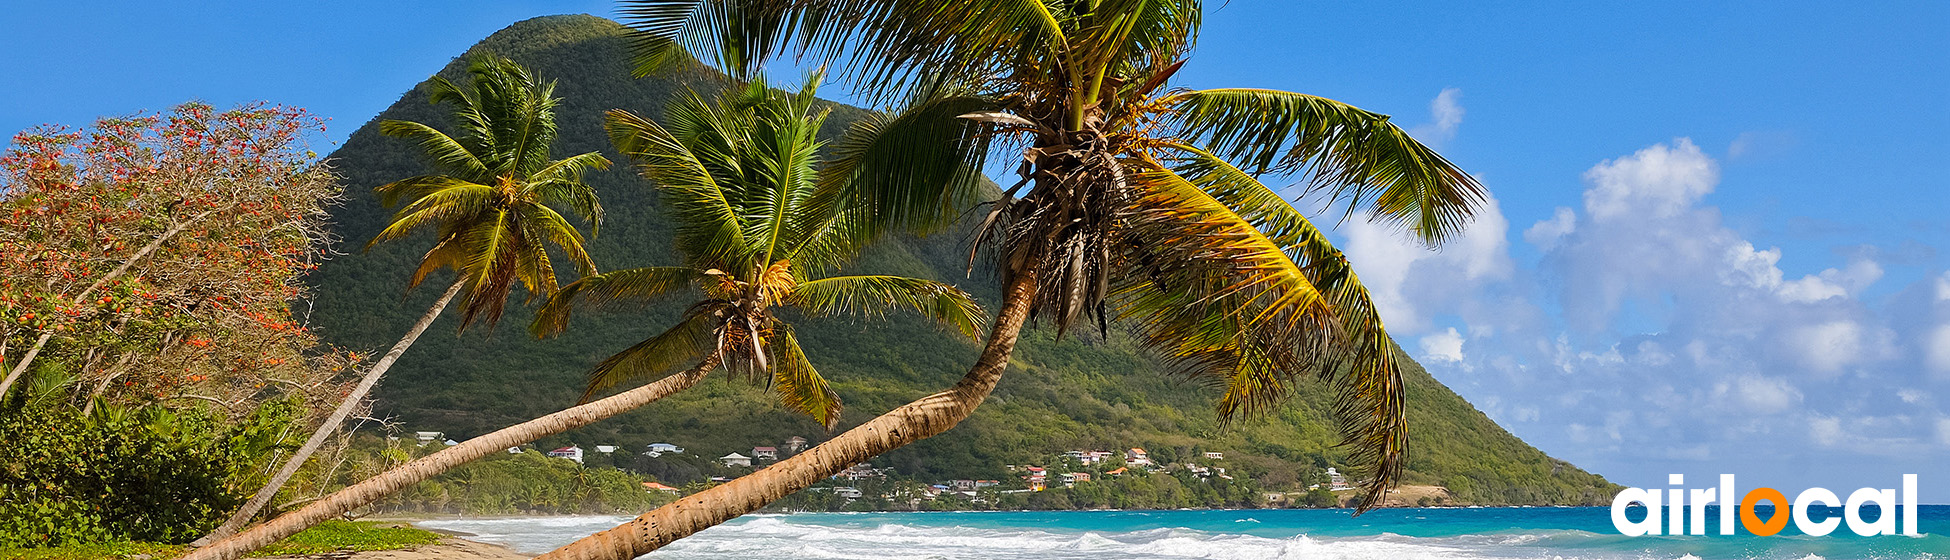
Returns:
<point x="514" y="450"/>
<point x="1214" y="455"/>
<point x="605" y="449"/>
<point x="424" y="438"/>
<point x="736" y="460"/>
<point x="662" y="448"/>
<point x="1336" y="481"/>
<point x="765" y="453"/>
<point x="848" y="492"/>
<point x="572" y="453"/>
<point x="1137" y="457"/>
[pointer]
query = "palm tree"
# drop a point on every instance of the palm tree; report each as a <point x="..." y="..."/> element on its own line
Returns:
<point x="491" y="213"/>
<point x="1144" y="203"/>
<point x="758" y="229"/>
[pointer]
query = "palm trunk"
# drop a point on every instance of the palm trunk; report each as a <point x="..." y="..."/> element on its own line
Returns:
<point x="32" y="352"/>
<point x="243" y="515"/>
<point x="372" y="489"/>
<point x="912" y="422"/>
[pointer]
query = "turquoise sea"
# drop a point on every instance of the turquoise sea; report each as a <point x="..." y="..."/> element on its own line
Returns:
<point x="1390" y="534"/>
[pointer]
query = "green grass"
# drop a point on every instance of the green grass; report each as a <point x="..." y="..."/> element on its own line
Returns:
<point x="94" y="551"/>
<point x="330" y="536"/>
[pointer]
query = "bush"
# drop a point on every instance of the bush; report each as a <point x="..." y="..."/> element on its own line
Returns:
<point x="145" y="474"/>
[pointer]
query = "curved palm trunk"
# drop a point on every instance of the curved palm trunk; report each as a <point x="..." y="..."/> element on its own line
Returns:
<point x="244" y="514"/>
<point x="372" y="489"/>
<point x="912" y="422"/>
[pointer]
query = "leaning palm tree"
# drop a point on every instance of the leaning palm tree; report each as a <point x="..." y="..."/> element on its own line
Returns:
<point x="758" y="229"/>
<point x="491" y="211"/>
<point x="1144" y="204"/>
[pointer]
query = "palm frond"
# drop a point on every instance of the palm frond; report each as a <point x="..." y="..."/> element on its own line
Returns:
<point x="875" y="296"/>
<point x="690" y="340"/>
<point x="709" y="226"/>
<point x="446" y="152"/>
<point x="437" y="201"/>
<point x="917" y="168"/>
<point x="799" y="385"/>
<point x="635" y="284"/>
<point x="560" y="182"/>
<point x="1357" y="155"/>
<point x="1363" y="366"/>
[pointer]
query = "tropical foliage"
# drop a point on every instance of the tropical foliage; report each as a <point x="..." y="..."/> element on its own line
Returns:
<point x="493" y="206"/>
<point x="761" y="222"/>
<point x="1143" y="201"/>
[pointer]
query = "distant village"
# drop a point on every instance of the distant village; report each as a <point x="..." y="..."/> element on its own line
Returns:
<point x="1065" y="470"/>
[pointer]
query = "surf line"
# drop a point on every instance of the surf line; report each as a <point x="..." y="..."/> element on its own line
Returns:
<point x="1684" y="504"/>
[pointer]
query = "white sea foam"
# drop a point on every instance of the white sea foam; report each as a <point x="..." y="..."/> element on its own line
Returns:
<point x="784" y="537"/>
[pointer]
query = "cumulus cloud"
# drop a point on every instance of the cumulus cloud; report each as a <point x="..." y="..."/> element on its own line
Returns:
<point x="1445" y="346"/>
<point x="1409" y="281"/>
<point x="1445" y="115"/>
<point x="1656" y="182"/>
<point x="1649" y="328"/>
<point x="1936" y="350"/>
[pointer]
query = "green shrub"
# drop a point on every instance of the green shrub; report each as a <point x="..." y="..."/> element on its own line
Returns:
<point x="146" y="474"/>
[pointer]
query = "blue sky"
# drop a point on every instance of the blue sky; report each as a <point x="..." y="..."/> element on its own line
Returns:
<point x="1716" y="244"/>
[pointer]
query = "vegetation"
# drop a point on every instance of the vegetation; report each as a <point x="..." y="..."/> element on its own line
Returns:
<point x="179" y="356"/>
<point x="1082" y="391"/>
<point x="758" y="228"/>
<point x="328" y="537"/>
<point x="148" y="269"/>
<point x="1143" y="203"/>
<point x="491" y="210"/>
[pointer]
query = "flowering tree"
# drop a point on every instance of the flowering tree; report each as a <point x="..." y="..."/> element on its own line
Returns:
<point x="156" y="258"/>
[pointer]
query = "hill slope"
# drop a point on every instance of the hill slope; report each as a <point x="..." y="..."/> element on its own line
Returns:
<point x="1058" y="395"/>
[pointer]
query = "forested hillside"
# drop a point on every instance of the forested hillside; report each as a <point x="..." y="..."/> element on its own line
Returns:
<point x="1084" y="392"/>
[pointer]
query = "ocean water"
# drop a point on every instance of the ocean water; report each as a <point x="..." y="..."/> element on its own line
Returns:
<point x="1390" y="534"/>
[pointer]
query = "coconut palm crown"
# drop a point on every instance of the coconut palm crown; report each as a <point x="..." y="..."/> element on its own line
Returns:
<point x="1137" y="201"/>
<point x="758" y="230"/>
<point x="493" y="205"/>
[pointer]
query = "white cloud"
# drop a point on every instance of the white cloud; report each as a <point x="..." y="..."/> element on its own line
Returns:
<point x="1943" y="287"/>
<point x="1445" y="346"/>
<point x="1751" y="268"/>
<point x="1766" y="395"/>
<point x="1828" y="347"/>
<point x="1655" y="182"/>
<point x="1936" y="349"/>
<point x="1943" y="431"/>
<point x="1546" y="233"/>
<point x="1912" y="396"/>
<point x="1827" y="430"/>
<point x="1445" y="114"/>
<point x="1409" y="282"/>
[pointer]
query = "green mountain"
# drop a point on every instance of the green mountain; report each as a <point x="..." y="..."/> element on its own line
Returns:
<point x="1079" y="393"/>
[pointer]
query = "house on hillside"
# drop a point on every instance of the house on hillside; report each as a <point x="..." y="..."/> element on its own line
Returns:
<point x="1087" y="458"/>
<point x="605" y="449"/>
<point x="572" y="453"/>
<point x="979" y="484"/>
<point x="516" y="450"/>
<point x="765" y="453"/>
<point x="848" y="492"/>
<point x="962" y="484"/>
<point x="655" y="487"/>
<point x="1118" y="472"/>
<point x="794" y="444"/>
<point x="657" y="449"/>
<point x="1214" y="455"/>
<point x="1336" y="481"/>
<point x="1071" y="479"/>
<point x="1136" y="457"/>
<point x="736" y="460"/>
<point x="862" y="471"/>
<point x="424" y="438"/>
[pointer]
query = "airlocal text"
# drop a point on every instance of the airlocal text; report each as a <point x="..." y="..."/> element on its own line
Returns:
<point x="1686" y="510"/>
